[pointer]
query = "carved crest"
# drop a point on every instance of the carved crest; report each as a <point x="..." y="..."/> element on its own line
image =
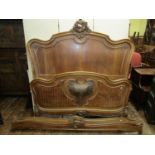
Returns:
<point x="80" y="90"/>
<point x="80" y="28"/>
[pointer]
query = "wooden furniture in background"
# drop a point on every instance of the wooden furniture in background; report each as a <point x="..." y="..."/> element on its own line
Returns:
<point x="145" y="45"/>
<point x="82" y="76"/>
<point x="148" y="55"/>
<point x="149" y="107"/>
<point x="13" y="62"/>
<point x="1" y="119"/>
<point x="141" y="83"/>
<point x="149" y="37"/>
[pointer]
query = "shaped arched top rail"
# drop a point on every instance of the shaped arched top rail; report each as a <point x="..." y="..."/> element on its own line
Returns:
<point x="80" y="49"/>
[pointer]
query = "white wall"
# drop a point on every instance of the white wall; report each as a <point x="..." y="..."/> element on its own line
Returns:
<point x="67" y="24"/>
<point x="40" y="28"/>
<point x="45" y="28"/>
<point x="116" y="29"/>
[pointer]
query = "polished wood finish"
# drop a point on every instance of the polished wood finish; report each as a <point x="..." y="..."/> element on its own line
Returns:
<point x="77" y="123"/>
<point x="94" y="52"/>
<point x="82" y="73"/>
<point x="145" y="71"/>
<point x="13" y="62"/>
<point x="51" y="95"/>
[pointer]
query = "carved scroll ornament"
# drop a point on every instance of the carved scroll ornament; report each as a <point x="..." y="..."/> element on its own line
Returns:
<point x="80" y="29"/>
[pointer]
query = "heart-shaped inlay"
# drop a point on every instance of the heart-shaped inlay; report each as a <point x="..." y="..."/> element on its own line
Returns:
<point x="80" y="89"/>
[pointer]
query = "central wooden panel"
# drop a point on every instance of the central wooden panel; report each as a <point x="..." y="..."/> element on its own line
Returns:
<point x="93" y="54"/>
<point x="102" y="96"/>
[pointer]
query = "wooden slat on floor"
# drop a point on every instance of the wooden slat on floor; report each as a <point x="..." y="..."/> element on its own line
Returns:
<point x="15" y="108"/>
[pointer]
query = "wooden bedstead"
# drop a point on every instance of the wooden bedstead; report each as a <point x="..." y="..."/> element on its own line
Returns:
<point x="80" y="82"/>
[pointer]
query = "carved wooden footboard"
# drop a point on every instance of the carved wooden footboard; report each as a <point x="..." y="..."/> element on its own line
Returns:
<point x="82" y="93"/>
<point x="82" y="76"/>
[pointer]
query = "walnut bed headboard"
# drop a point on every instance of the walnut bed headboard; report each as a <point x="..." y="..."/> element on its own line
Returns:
<point x="80" y="49"/>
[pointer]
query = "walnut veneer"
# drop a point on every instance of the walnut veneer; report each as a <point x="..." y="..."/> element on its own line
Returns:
<point x="81" y="73"/>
